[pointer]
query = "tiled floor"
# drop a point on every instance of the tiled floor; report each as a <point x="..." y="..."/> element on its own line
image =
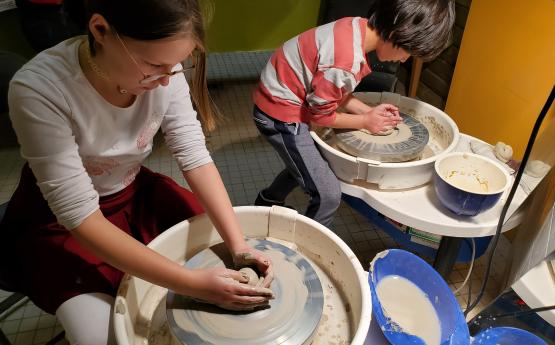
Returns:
<point x="247" y="164"/>
<point x="236" y="66"/>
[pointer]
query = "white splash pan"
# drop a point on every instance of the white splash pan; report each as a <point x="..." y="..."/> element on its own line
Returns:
<point x="537" y="289"/>
<point x="444" y="136"/>
<point x="135" y="307"/>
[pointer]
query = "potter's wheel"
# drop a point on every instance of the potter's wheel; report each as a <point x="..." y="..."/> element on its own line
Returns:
<point x="292" y="317"/>
<point x="405" y="143"/>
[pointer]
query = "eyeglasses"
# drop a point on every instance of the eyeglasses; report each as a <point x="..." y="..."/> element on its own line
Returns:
<point x="150" y="78"/>
<point x="155" y="77"/>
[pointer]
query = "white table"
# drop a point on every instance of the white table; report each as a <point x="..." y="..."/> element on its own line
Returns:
<point x="420" y="208"/>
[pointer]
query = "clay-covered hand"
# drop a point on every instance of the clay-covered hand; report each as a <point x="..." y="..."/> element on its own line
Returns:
<point x="227" y="289"/>
<point x="381" y="118"/>
<point x="248" y="256"/>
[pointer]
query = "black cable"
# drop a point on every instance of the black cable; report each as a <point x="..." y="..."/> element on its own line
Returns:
<point x="522" y="312"/>
<point x="518" y="176"/>
<point x="469" y="296"/>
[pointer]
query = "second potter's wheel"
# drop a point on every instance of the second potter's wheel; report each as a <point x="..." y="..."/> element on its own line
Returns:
<point x="291" y="319"/>
<point x="405" y="143"/>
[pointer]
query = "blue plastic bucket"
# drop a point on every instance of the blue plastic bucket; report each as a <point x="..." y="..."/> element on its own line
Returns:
<point x="507" y="336"/>
<point x="454" y="330"/>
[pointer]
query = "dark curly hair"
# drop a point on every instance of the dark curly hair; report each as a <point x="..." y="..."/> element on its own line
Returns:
<point x="421" y="27"/>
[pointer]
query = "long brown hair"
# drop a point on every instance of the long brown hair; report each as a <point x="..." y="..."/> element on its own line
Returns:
<point x="151" y="20"/>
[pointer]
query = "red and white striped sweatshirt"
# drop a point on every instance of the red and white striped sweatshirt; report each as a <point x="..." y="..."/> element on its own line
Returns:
<point x="311" y="74"/>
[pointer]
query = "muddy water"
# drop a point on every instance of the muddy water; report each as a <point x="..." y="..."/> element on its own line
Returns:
<point x="409" y="308"/>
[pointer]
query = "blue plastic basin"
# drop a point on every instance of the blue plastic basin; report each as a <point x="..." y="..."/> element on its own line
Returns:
<point x="454" y="330"/>
<point x="506" y="336"/>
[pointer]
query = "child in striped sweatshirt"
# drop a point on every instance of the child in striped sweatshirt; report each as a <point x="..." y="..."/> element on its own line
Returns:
<point x="314" y="73"/>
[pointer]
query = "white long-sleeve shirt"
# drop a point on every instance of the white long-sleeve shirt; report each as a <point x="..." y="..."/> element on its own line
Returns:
<point x="79" y="146"/>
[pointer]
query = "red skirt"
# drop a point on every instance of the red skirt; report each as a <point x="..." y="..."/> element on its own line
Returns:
<point x="41" y="259"/>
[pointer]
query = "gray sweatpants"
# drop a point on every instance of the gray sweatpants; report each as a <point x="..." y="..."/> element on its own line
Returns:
<point x="304" y="167"/>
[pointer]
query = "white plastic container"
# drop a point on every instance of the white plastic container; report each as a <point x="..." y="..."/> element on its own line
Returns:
<point x="137" y="300"/>
<point x="537" y="289"/>
<point x="444" y="136"/>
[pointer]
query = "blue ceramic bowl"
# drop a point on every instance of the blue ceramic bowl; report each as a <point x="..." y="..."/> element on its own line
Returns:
<point x="469" y="184"/>
<point x="506" y="336"/>
<point x="454" y="330"/>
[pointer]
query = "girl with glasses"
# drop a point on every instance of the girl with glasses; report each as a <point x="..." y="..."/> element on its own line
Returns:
<point x="85" y="113"/>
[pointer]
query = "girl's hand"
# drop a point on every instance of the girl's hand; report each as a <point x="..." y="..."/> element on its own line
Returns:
<point x="225" y="288"/>
<point x="248" y="256"/>
<point x="381" y="118"/>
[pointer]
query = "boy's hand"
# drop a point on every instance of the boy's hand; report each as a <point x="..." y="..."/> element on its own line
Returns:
<point x="381" y="118"/>
<point x="248" y="256"/>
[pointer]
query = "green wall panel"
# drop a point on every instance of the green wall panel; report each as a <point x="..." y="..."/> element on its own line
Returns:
<point x="251" y="25"/>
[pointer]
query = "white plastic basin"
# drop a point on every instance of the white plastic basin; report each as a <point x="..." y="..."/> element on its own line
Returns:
<point x="444" y="136"/>
<point x="537" y="289"/>
<point x="138" y="303"/>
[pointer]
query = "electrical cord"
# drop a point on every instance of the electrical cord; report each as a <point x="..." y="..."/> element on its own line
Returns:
<point x="473" y="247"/>
<point x="469" y="299"/>
<point x="522" y="312"/>
<point x="514" y="187"/>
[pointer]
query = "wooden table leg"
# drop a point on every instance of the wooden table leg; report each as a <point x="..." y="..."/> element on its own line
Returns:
<point x="415" y="76"/>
